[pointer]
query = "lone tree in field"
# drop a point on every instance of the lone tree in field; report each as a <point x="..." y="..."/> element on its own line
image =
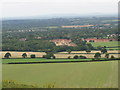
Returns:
<point x="7" y="55"/>
<point x="112" y="56"/>
<point x="97" y="55"/>
<point x="32" y="56"/>
<point x="24" y="55"/>
<point x="69" y="51"/>
<point x="104" y="51"/>
<point x="107" y="55"/>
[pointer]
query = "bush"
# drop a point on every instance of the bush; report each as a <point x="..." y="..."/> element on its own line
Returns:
<point x="69" y="57"/>
<point x="32" y="56"/>
<point x="93" y="59"/>
<point x="43" y="56"/>
<point x="112" y="56"/>
<point x="88" y="51"/>
<point x="82" y="57"/>
<point x="75" y="57"/>
<point x="53" y="57"/>
<point x="48" y="56"/>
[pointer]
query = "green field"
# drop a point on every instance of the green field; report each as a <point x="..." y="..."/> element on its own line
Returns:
<point x="107" y="44"/>
<point x="74" y="75"/>
<point x="38" y="60"/>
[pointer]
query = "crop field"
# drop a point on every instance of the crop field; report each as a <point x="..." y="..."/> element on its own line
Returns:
<point x="65" y="75"/>
<point x="76" y="26"/>
<point x="107" y="44"/>
<point x="59" y="55"/>
<point x="16" y="54"/>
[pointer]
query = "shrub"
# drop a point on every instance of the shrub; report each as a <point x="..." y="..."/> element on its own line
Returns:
<point x="82" y="57"/>
<point x="112" y="56"/>
<point x="43" y="56"/>
<point x="103" y="51"/>
<point x="48" y="56"/>
<point x="107" y="55"/>
<point x="53" y="57"/>
<point x="93" y="59"/>
<point x="32" y="56"/>
<point x="88" y="51"/>
<point x="75" y="57"/>
<point x="69" y="57"/>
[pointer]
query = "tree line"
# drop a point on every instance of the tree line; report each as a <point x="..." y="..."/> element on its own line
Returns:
<point x="50" y="55"/>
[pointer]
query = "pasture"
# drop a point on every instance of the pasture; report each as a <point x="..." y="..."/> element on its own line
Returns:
<point x="65" y="75"/>
<point x="107" y="44"/>
<point x="38" y="60"/>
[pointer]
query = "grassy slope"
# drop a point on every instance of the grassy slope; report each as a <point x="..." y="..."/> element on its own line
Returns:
<point x="86" y="74"/>
<point x="108" y="44"/>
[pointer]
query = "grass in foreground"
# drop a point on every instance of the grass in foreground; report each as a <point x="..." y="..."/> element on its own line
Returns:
<point x="65" y="75"/>
<point x="13" y="84"/>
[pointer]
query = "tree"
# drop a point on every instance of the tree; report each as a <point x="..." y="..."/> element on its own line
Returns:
<point x="75" y="57"/>
<point x="7" y="55"/>
<point x="88" y="51"/>
<point x="97" y="55"/>
<point x="32" y="56"/>
<point x="43" y="56"/>
<point x="53" y="57"/>
<point x="112" y="56"/>
<point x="69" y="51"/>
<point x="107" y="55"/>
<point x="104" y="51"/>
<point x="49" y="55"/>
<point x="24" y="55"/>
<point x="69" y="57"/>
<point x="82" y="57"/>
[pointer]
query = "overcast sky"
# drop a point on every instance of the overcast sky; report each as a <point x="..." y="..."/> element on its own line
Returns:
<point x="21" y="8"/>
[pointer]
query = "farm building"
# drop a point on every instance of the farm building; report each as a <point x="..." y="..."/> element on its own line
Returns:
<point x="62" y="42"/>
<point x="22" y="39"/>
<point x="98" y="40"/>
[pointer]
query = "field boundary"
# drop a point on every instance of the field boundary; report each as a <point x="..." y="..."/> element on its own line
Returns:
<point x="61" y="61"/>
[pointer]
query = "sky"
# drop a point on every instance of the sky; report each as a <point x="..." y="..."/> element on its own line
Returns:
<point x="23" y="8"/>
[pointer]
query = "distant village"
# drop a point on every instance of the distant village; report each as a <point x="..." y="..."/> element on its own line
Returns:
<point x="68" y="42"/>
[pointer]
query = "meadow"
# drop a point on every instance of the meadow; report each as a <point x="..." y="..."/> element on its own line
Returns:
<point x="65" y="75"/>
<point x="107" y="44"/>
<point x="4" y="61"/>
<point x="61" y="75"/>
